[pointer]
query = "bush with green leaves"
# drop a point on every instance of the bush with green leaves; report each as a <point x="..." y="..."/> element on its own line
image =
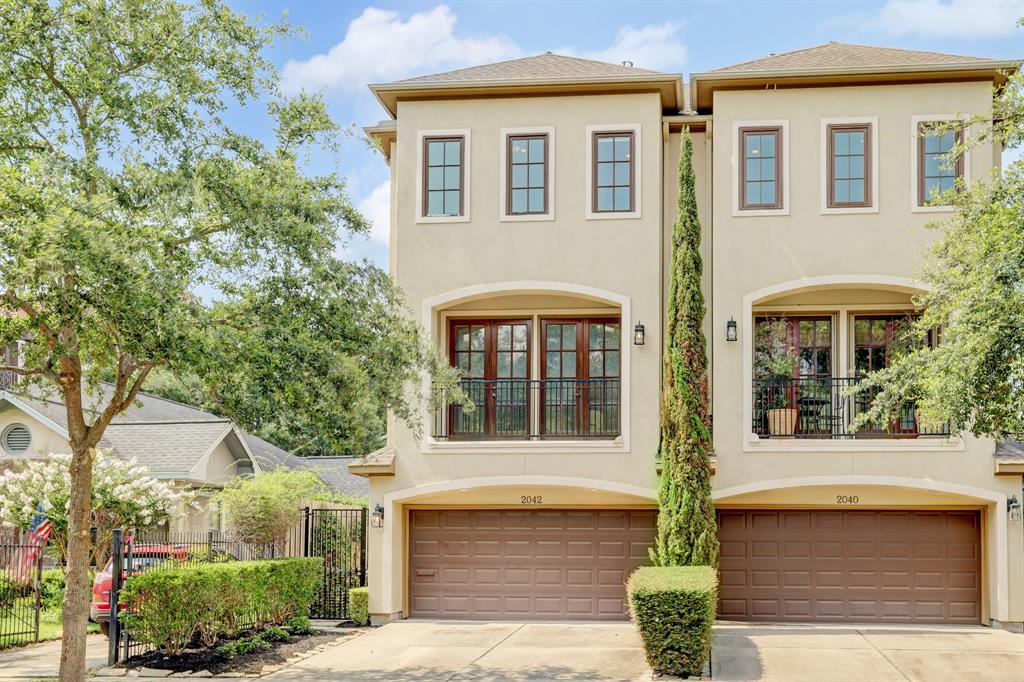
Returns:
<point x="262" y="509"/>
<point x="11" y="590"/>
<point x="359" y="605"/>
<point x="674" y="609"/>
<point x="170" y="608"/>
<point x="52" y="589"/>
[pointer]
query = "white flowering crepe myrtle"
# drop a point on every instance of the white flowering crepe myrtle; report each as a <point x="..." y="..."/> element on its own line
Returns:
<point x="123" y="496"/>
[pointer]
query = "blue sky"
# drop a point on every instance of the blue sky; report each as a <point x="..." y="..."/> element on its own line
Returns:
<point x="350" y="44"/>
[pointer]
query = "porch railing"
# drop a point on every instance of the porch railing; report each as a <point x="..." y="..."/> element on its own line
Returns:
<point x="819" y="408"/>
<point x="531" y="409"/>
<point x="7" y="379"/>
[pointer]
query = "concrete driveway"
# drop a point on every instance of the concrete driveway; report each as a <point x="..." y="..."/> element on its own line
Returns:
<point x="520" y="652"/>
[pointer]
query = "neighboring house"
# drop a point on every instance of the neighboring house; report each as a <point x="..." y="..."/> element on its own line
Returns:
<point x="531" y="211"/>
<point x="192" y="448"/>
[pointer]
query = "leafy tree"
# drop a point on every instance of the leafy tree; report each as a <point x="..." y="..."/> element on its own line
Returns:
<point x="264" y="508"/>
<point x="123" y="191"/>
<point x="123" y="496"/>
<point x="686" y="517"/>
<point x="973" y="379"/>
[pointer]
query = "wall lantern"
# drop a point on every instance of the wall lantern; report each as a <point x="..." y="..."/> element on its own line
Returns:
<point x="730" y="330"/>
<point x="1014" y="508"/>
<point x="377" y="517"/>
<point x="638" y="334"/>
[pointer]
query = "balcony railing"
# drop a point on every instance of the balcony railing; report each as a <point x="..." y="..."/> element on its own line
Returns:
<point x="530" y="409"/>
<point x="819" y="408"/>
<point x="7" y="380"/>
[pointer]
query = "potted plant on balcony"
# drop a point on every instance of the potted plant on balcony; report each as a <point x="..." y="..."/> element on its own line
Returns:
<point x="774" y="361"/>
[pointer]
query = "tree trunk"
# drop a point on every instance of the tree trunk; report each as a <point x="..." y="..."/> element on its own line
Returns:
<point x="78" y="588"/>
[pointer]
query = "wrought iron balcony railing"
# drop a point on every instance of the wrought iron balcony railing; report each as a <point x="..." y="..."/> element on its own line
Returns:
<point x="819" y="408"/>
<point x="7" y="380"/>
<point x="530" y="409"/>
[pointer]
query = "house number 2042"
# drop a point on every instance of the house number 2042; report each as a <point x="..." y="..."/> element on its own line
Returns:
<point x="847" y="499"/>
<point x="531" y="499"/>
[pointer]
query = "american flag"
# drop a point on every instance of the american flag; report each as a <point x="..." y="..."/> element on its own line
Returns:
<point x="38" y="534"/>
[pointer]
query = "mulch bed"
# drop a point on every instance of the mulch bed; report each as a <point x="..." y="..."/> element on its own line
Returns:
<point x="208" y="659"/>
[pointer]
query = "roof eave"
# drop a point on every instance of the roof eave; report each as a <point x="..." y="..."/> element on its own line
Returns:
<point x="388" y="94"/>
<point x="703" y="84"/>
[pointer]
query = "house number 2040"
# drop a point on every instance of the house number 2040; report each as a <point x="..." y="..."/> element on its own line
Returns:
<point x="847" y="499"/>
<point x="531" y="499"/>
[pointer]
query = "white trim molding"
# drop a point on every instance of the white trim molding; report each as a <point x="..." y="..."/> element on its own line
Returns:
<point x="467" y="176"/>
<point x="915" y="123"/>
<point x="736" y="158"/>
<point x="428" y="318"/>
<point x="994" y="501"/>
<point x="873" y="168"/>
<point x="34" y="413"/>
<point x="588" y="191"/>
<point x="751" y="442"/>
<point x="549" y="175"/>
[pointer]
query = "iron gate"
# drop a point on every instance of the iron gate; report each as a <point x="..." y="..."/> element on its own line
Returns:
<point x="21" y="572"/>
<point x="338" y="536"/>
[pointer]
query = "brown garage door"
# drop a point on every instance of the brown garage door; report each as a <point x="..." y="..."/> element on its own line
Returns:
<point x="524" y="563"/>
<point x="892" y="566"/>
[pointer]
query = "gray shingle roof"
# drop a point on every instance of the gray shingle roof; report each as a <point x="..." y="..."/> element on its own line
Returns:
<point x="845" y="55"/>
<point x="541" y="66"/>
<point x="334" y="472"/>
<point x="170" y="447"/>
<point x="268" y="455"/>
<point x="1010" y="451"/>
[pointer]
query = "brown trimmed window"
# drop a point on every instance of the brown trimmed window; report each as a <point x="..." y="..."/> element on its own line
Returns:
<point x="849" y="165"/>
<point x="761" y="169"/>
<point x="527" y="191"/>
<point x="581" y="377"/>
<point x="937" y="173"/>
<point x="443" y="177"/>
<point x="493" y="357"/>
<point x="614" y="172"/>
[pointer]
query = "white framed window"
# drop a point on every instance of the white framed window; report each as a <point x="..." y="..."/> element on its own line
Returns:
<point x="849" y="165"/>
<point x="924" y="153"/>
<point x="613" y="177"/>
<point x="527" y="177"/>
<point x="443" y="175"/>
<point x="760" y="187"/>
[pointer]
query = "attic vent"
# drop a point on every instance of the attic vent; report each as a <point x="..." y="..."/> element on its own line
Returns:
<point x="16" y="439"/>
<point x="627" y="63"/>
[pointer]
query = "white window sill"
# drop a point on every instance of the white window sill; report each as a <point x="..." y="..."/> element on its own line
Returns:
<point x="527" y="218"/>
<point x="522" y="446"/>
<point x="924" y="444"/>
<point x="932" y="209"/>
<point x="443" y="219"/>
<point x="613" y="215"/>
<point x="759" y="212"/>
<point x="841" y="211"/>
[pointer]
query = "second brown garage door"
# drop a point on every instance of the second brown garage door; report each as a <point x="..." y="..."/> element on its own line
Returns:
<point x="889" y="566"/>
<point x="524" y="563"/>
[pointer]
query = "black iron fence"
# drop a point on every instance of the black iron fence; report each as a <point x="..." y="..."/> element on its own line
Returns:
<point x="530" y="409"/>
<point x="336" y="535"/>
<point x="21" y="574"/>
<point x="821" y="407"/>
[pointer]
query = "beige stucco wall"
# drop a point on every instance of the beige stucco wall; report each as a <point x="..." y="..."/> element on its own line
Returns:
<point x="44" y="439"/>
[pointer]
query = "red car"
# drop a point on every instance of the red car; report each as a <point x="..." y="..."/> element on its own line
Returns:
<point x="143" y="556"/>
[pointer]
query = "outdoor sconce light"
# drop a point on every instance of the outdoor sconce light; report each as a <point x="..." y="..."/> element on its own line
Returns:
<point x="730" y="330"/>
<point x="638" y="334"/>
<point x="377" y="517"/>
<point x="1014" y="508"/>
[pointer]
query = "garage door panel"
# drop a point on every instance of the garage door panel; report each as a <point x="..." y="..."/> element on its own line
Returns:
<point x="527" y="563"/>
<point x="892" y="566"/>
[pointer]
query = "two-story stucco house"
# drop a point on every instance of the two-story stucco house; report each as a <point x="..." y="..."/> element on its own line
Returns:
<point x="531" y="212"/>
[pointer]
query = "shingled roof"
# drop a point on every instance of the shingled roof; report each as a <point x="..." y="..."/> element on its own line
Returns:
<point x="835" y="55"/>
<point x="541" y="66"/>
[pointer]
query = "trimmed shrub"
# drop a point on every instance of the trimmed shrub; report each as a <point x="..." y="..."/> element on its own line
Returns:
<point x="52" y="594"/>
<point x="674" y="609"/>
<point x="170" y="608"/>
<point x="359" y="605"/>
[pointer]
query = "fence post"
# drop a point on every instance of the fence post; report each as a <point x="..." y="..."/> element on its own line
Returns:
<point x="209" y="545"/>
<point x="362" y="548"/>
<point x="116" y="567"/>
<point x="305" y="533"/>
<point x="39" y="590"/>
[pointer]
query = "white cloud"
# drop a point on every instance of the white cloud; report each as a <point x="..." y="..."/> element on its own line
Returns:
<point x="380" y="46"/>
<point x="656" y="46"/>
<point x="376" y="208"/>
<point x="954" y="19"/>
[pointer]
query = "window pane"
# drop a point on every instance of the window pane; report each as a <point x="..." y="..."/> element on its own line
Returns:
<point x="861" y="359"/>
<point x="753" y="170"/>
<point x="622" y="199"/>
<point x="461" y="338"/>
<point x="596" y="335"/>
<point x="860" y="331"/>
<point x="824" y="361"/>
<point x="569" y="364"/>
<point x="857" y="142"/>
<point x="435" y="153"/>
<point x="947" y="183"/>
<point x="504" y="365"/>
<point x="878" y="331"/>
<point x="519" y="201"/>
<point x="537" y="149"/>
<point x="931" y="165"/>
<point x="451" y="177"/>
<point x="554" y="365"/>
<point x="569" y="336"/>
<point x="554" y="337"/>
<point x="622" y="174"/>
<point x="752" y="145"/>
<point x="519" y="364"/>
<point x="856" y="191"/>
<point x="622" y="149"/>
<point x="753" y="193"/>
<point x="841" y="167"/>
<point x="520" y="149"/>
<point x="477" y="338"/>
<point x="504" y="337"/>
<point x="842" y="191"/>
<point x="604" y="174"/>
<point x="476" y="364"/>
<point x="519" y="337"/>
<point x="767" y="192"/>
<point x="768" y="144"/>
<point x="841" y="143"/>
<point x="536" y="175"/>
<point x="856" y="166"/>
<point x="604" y="149"/>
<point x="823" y="334"/>
<point x="519" y="176"/>
<point x="453" y="152"/>
<point x="435" y="177"/>
<point x="604" y="199"/>
<point x="611" y="363"/>
<point x="596" y="363"/>
<point x="435" y="203"/>
<point x="451" y="203"/>
<point x="768" y="169"/>
<point x="932" y="144"/>
<point x="462" y="362"/>
<point x="806" y="332"/>
<point x="536" y="200"/>
<point x="611" y="336"/>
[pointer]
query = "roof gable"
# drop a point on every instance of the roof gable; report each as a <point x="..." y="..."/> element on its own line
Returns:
<point x="537" y="67"/>
<point x="840" y="56"/>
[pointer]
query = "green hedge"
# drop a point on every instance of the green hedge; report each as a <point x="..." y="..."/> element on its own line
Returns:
<point x="674" y="609"/>
<point x="359" y="605"/>
<point x="170" y="608"/>
<point x="52" y="592"/>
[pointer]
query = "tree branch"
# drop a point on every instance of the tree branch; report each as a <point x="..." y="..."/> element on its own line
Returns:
<point x="30" y="310"/>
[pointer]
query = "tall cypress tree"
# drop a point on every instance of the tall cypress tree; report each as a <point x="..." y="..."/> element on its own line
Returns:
<point x="686" y="520"/>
